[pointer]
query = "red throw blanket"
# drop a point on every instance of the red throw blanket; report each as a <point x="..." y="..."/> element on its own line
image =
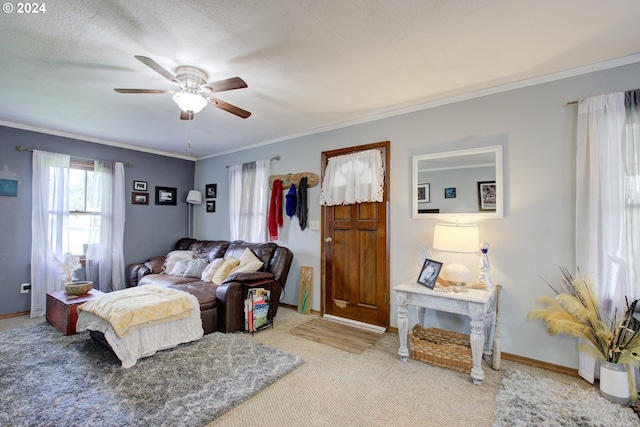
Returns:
<point x="275" y="210"/>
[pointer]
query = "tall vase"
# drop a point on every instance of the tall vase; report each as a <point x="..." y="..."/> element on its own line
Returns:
<point x="614" y="384"/>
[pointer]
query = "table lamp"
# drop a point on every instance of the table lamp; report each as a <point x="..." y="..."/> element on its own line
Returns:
<point x="457" y="239"/>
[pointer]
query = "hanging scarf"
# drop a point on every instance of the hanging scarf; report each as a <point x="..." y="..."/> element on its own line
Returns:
<point x="302" y="209"/>
<point x="274" y="219"/>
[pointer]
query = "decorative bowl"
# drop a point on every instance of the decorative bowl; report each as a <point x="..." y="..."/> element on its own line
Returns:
<point x="77" y="288"/>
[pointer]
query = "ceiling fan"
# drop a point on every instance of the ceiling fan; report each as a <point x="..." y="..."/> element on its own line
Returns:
<point x="193" y="85"/>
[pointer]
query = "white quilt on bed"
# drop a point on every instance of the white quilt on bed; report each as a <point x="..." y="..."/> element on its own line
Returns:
<point x="146" y="341"/>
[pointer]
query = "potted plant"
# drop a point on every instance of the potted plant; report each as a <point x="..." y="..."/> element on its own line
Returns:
<point x="615" y="342"/>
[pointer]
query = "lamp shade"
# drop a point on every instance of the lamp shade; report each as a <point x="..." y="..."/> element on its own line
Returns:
<point x="462" y="239"/>
<point x="190" y="100"/>
<point x="194" y="197"/>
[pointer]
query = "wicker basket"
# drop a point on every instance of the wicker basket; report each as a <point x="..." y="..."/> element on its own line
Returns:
<point x="441" y="348"/>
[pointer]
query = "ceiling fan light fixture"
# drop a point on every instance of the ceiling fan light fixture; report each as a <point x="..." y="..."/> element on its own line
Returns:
<point x="190" y="100"/>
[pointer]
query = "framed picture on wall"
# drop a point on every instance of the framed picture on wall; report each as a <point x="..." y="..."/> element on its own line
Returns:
<point x="424" y="193"/>
<point x="450" y="193"/>
<point x="487" y="196"/>
<point x="166" y="196"/>
<point x="429" y="273"/>
<point x="211" y="190"/>
<point x="9" y="187"/>
<point x="139" y="186"/>
<point x="211" y="205"/>
<point x="139" y="198"/>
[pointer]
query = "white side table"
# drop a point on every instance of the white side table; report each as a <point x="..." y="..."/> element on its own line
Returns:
<point x="478" y="304"/>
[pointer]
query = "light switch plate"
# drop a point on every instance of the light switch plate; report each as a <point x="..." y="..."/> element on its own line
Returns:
<point x="314" y="225"/>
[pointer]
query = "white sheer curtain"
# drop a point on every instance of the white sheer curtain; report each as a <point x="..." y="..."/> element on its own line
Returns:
<point x="249" y="200"/>
<point x="49" y="221"/>
<point x="353" y="178"/>
<point x="601" y="246"/>
<point x="607" y="202"/>
<point x="105" y="256"/>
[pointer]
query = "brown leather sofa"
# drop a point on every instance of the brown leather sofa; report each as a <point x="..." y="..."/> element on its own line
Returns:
<point x="221" y="307"/>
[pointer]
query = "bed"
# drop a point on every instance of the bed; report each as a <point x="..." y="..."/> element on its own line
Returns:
<point x="138" y="322"/>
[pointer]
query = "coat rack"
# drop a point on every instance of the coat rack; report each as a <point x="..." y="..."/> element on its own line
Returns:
<point x="288" y="179"/>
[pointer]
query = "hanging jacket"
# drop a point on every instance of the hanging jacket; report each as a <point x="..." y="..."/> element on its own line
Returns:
<point x="291" y="202"/>
<point x="274" y="219"/>
<point x="302" y="209"/>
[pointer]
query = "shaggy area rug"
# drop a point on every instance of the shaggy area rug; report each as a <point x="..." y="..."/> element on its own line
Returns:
<point x="49" y="379"/>
<point x="524" y="400"/>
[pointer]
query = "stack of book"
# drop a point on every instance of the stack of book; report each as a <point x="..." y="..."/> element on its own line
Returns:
<point x="256" y="310"/>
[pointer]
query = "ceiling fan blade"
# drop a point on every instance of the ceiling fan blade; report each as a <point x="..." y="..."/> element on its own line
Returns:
<point x="186" y="115"/>
<point x="228" y="84"/>
<point x="158" y="69"/>
<point x="142" y="91"/>
<point x="228" y="107"/>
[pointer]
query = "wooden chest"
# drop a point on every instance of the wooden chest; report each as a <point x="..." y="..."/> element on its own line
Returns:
<point x="62" y="312"/>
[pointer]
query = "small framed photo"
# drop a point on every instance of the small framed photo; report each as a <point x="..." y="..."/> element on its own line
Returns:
<point x="166" y="196"/>
<point x="424" y="193"/>
<point x="450" y="193"/>
<point x="139" y="186"/>
<point x="211" y="190"/>
<point x="211" y="205"/>
<point x="429" y="274"/>
<point x="139" y="198"/>
<point x="487" y="195"/>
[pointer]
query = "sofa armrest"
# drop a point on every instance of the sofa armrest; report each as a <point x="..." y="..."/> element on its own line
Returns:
<point x="248" y="277"/>
<point x="230" y="301"/>
<point x="135" y="272"/>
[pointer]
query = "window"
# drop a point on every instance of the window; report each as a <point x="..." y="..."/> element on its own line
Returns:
<point x="84" y="206"/>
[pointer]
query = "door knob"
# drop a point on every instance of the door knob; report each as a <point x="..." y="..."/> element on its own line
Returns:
<point x="328" y="239"/>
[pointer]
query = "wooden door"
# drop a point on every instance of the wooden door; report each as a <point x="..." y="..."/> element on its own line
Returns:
<point x="355" y="253"/>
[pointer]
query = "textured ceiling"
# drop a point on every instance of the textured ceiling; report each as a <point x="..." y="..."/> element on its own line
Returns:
<point x="309" y="64"/>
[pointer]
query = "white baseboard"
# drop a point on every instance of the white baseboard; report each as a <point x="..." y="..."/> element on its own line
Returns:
<point x="355" y="323"/>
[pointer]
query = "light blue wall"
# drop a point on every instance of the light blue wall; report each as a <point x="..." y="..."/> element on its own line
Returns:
<point x="150" y="230"/>
<point x="537" y="130"/>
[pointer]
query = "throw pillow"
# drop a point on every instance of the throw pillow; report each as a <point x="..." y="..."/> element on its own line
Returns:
<point x="249" y="267"/>
<point x="178" y="268"/>
<point x="188" y="268"/>
<point x="174" y="256"/>
<point x="249" y="257"/>
<point x="195" y="267"/>
<point x="223" y="271"/>
<point x="209" y="271"/>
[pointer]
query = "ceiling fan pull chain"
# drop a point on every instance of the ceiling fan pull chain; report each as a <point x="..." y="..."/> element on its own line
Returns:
<point x="189" y="139"/>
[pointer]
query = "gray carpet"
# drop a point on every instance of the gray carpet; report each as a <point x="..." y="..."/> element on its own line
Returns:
<point x="524" y="400"/>
<point x="49" y="379"/>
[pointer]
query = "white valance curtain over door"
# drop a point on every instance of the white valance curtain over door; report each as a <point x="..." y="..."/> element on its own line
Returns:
<point x="49" y="223"/>
<point x="353" y="178"/>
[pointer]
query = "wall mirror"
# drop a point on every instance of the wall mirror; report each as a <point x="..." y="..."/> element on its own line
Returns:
<point x="458" y="184"/>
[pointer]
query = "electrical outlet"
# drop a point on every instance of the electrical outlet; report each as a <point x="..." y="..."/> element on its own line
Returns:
<point x="25" y="288"/>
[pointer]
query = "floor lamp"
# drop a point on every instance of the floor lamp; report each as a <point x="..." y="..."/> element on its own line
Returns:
<point x="193" y="198"/>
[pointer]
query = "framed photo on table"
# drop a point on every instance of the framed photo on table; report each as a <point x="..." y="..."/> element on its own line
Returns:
<point x="429" y="273"/>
